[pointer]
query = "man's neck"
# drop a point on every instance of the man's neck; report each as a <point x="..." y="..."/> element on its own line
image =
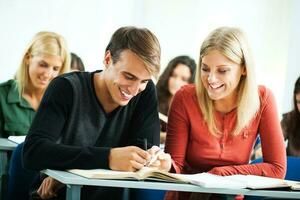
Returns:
<point x="102" y="93"/>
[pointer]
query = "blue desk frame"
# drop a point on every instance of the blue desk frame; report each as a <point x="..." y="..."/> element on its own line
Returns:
<point x="5" y="146"/>
<point x="75" y="182"/>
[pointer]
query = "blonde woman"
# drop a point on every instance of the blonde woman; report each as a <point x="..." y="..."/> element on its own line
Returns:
<point x="213" y="124"/>
<point x="45" y="58"/>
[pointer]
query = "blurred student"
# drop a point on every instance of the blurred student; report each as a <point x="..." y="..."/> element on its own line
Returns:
<point x="179" y="71"/>
<point x="76" y="63"/>
<point x="45" y="58"/>
<point x="291" y="124"/>
<point x="213" y="124"/>
<point x="100" y="119"/>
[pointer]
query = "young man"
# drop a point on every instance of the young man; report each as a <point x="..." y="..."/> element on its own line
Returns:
<point x="99" y="119"/>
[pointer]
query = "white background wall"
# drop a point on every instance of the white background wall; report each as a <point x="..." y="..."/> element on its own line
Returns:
<point x="293" y="62"/>
<point x="272" y="27"/>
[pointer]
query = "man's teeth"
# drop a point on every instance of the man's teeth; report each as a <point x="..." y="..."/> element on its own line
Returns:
<point x="126" y="95"/>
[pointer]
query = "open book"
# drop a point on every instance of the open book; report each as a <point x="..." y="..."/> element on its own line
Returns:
<point x="206" y="180"/>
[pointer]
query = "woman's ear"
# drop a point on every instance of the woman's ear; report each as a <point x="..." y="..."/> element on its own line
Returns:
<point x="27" y="58"/>
<point x="107" y="59"/>
<point x="244" y="71"/>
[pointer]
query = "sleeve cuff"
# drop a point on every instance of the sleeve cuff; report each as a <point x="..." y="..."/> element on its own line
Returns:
<point x="102" y="158"/>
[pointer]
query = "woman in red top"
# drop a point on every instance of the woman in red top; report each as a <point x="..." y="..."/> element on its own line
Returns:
<point x="213" y="124"/>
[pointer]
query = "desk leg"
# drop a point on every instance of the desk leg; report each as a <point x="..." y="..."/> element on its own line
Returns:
<point x="3" y="174"/>
<point x="230" y="197"/>
<point x="126" y="194"/>
<point x="73" y="192"/>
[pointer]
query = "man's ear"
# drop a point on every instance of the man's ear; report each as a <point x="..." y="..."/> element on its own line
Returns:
<point x="107" y="59"/>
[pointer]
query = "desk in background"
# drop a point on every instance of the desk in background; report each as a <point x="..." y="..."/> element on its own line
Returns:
<point x="75" y="182"/>
<point x="5" y="147"/>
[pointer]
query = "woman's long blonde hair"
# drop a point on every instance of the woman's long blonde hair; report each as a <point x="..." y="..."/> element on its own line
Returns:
<point x="49" y="43"/>
<point x="230" y="42"/>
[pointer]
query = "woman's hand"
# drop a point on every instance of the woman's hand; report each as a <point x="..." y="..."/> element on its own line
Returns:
<point x="159" y="159"/>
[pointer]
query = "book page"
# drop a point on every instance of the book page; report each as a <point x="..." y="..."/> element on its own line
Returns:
<point x="295" y="186"/>
<point x="17" y="139"/>
<point x="155" y="174"/>
<point x="260" y="182"/>
<point x="208" y="180"/>
<point x="104" y="174"/>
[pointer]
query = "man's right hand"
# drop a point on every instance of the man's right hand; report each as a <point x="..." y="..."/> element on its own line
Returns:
<point x="129" y="158"/>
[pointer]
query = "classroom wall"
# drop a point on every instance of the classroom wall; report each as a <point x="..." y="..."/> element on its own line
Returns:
<point x="293" y="62"/>
<point x="180" y="25"/>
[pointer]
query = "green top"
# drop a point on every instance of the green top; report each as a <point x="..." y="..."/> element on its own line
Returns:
<point x="16" y="115"/>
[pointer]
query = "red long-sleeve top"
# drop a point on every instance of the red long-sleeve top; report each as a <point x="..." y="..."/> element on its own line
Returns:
<point x="194" y="149"/>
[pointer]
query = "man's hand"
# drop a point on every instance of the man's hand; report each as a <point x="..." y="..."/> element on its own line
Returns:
<point x="49" y="187"/>
<point x="129" y="158"/>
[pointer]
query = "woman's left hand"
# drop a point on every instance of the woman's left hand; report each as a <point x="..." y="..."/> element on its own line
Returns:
<point x="159" y="159"/>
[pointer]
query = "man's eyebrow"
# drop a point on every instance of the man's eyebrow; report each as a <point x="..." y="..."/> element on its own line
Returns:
<point x="135" y="77"/>
<point x="130" y="74"/>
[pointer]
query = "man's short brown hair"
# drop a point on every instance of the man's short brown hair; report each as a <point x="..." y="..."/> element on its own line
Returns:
<point x="141" y="41"/>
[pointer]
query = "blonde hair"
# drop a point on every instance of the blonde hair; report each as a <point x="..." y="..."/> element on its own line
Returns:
<point x="232" y="43"/>
<point x="49" y="43"/>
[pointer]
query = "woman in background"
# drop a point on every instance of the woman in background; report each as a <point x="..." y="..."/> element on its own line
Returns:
<point x="179" y="71"/>
<point x="291" y="124"/>
<point x="213" y="124"/>
<point x="45" y="58"/>
<point x="76" y="63"/>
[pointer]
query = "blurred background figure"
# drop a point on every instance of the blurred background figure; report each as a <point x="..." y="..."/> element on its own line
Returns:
<point x="179" y="71"/>
<point x="290" y="124"/>
<point x="76" y="63"/>
<point x="45" y="58"/>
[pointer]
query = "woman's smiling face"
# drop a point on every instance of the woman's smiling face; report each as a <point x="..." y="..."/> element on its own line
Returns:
<point x="220" y="76"/>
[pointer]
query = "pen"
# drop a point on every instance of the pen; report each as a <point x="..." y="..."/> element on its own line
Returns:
<point x="145" y="144"/>
<point x="154" y="158"/>
<point x="145" y="148"/>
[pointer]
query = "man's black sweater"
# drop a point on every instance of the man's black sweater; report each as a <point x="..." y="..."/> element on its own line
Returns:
<point x="72" y="130"/>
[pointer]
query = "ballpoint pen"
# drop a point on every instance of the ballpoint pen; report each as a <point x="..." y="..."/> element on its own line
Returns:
<point x="154" y="157"/>
<point x="145" y="144"/>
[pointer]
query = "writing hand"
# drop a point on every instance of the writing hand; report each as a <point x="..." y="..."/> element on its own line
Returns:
<point x="129" y="158"/>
